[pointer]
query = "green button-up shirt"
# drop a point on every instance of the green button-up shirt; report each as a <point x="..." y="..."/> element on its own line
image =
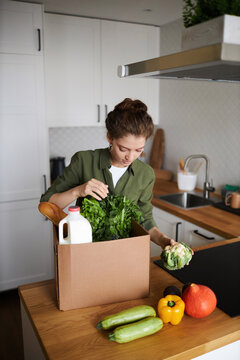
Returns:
<point x="136" y="183"/>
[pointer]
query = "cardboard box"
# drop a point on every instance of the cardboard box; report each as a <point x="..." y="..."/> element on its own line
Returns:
<point x="102" y="272"/>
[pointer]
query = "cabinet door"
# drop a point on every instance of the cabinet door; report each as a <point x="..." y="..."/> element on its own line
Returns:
<point x="72" y="70"/>
<point x="124" y="43"/>
<point x="168" y="224"/>
<point x="23" y="134"/>
<point x="20" y="28"/>
<point x="26" y="248"/>
<point x="197" y="236"/>
<point x="181" y="230"/>
<point x="230" y="351"/>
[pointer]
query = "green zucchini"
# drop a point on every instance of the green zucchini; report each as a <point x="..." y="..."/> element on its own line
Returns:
<point x="136" y="330"/>
<point x="127" y="316"/>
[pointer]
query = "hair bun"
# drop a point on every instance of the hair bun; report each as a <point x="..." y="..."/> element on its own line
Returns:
<point x="129" y="117"/>
<point x="132" y="105"/>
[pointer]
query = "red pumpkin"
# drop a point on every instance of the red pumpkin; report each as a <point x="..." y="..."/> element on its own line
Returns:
<point x="200" y="300"/>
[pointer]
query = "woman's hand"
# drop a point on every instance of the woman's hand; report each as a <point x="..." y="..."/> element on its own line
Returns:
<point x="93" y="187"/>
<point x="167" y="241"/>
<point x="172" y="242"/>
<point x="159" y="238"/>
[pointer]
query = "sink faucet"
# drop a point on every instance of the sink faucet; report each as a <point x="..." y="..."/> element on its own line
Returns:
<point x="207" y="188"/>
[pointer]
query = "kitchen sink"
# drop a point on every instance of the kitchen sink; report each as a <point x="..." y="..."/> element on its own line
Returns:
<point x="186" y="200"/>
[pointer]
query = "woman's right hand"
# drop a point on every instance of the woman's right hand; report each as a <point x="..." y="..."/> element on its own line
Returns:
<point x="93" y="187"/>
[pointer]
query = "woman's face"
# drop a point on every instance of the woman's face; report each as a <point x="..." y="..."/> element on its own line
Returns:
<point x="126" y="149"/>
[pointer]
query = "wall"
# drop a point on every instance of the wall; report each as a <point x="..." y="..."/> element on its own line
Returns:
<point x="65" y="141"/>
<point x="200" y="117"/>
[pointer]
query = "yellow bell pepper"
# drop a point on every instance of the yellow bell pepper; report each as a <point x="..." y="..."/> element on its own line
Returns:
<point x="171" y="309"/>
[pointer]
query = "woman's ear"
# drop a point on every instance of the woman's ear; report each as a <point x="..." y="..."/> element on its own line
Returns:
<point x="109" y="139"/>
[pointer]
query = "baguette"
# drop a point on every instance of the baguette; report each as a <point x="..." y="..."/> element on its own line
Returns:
<point x="52" y="212"/>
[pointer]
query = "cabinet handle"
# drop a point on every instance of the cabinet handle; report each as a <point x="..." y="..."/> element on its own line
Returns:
<point x="45" y="188"/>
<point x="106" y="110"/>
<point x="39" y="39"/>
<point x="177" y="228"/>
<point x="98" y="113"/>
<point x="45" y="182"/>
<point x="204" y="236"/>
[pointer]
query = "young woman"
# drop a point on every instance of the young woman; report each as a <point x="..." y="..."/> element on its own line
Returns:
<point x="114" y="170"/>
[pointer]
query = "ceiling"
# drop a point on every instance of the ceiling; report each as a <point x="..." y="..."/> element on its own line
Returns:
<point x="152" y="12"/>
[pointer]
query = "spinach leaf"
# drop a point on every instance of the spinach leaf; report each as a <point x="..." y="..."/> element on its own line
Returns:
<point x="111" y="217"/>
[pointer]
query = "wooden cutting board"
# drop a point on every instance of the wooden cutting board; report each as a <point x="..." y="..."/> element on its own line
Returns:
<point x="156" y="156"/>
<point x="157" y="150"/>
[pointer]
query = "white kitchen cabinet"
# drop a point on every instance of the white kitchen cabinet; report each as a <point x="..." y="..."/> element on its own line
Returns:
<point x="20" y="28"/>
<point x="26" y="250"/>
<point x="182" y="230"/>
<point x="123" y="43"/>
<point x="197" y="236"/>
<point x="230" y="351"/>
<point x="81" y="59"/>
<point x="169" y="225"/>
<point x="25" y="242"/>
<point x="23" y="135"/>
<point x="72" y="70"/>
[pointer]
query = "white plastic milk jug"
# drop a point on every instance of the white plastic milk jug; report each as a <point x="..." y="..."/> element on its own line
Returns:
<point x="79" y="228"/>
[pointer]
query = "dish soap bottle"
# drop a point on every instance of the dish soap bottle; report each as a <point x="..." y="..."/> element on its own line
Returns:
<point x="79" y="228"/>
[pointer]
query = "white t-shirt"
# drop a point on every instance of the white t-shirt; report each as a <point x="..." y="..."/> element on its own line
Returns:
<point x="117" y="173"/>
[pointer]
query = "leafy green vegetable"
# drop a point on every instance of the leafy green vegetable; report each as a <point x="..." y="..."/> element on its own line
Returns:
<point x="176" y="256"/>
<point x="111" y="217"/>
<point x="198" y="11"/>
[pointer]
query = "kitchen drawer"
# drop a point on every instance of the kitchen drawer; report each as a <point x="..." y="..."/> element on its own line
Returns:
<point x="198" y="236"/>
<point x="169" y="224"/>
<point x="181" y="230"/>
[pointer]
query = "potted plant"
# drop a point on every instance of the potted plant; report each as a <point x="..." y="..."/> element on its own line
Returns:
<point x="209" y="22"/>
<point x="198" y="11"/>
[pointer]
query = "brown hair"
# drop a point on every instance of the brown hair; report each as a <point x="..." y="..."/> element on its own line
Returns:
<point x="129" y="117"/>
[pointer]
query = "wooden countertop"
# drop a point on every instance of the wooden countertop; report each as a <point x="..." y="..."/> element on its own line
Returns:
<point x="73" y="334"/>
<point x="216" y="220"/>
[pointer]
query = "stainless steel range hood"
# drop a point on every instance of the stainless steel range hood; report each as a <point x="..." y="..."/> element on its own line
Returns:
<point x="219" y="62"/>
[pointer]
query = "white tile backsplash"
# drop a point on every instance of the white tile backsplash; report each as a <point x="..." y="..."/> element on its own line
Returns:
<point x="66" y="141"/>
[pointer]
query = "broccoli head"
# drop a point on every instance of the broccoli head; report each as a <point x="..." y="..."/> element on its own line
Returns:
<point x="176" y="256"/>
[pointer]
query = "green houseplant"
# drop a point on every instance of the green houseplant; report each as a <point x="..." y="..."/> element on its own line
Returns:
<point x="198" y="11"/>
<point x="208" y="22"/>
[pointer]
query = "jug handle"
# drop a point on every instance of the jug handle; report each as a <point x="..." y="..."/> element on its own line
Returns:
<point x="62" y="240"/>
